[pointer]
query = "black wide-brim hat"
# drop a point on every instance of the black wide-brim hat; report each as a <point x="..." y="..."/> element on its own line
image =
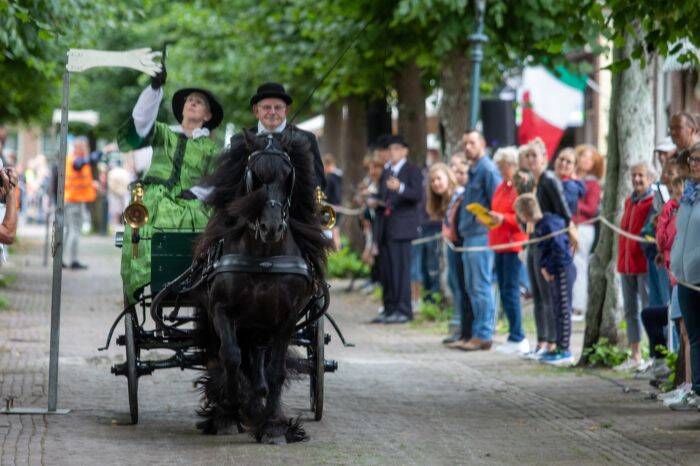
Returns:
<point x="271" y="90"/>
<point x="394" y="139"/>
<point x="217" y="113"/>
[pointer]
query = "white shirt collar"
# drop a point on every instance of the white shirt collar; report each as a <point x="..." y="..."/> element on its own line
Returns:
<point x="279" y="129"/>
<point x="397" y="168"/>
<point x="197" y="133"/>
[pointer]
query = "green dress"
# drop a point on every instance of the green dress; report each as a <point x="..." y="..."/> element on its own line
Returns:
<point x="178" y="163"/>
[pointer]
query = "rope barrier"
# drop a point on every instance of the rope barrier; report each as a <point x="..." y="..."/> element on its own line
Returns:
<point x="344" y="210"/>
<point x="498" y="247"/>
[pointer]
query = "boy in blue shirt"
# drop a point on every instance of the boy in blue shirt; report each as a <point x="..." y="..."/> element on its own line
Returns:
<point x="557" y="268"/>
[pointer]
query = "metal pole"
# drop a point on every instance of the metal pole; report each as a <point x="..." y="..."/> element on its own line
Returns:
<point x="477" y="54"/>
<point x="57" y="249"/>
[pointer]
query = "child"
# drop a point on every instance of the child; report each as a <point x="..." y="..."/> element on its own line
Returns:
<point x="556" y="266"/>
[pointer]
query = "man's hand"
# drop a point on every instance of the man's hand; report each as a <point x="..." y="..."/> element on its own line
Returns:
<point x="393" y="183"/>
<point x="547" y="276"/>
<point x="9" y="182"/>
<point x="10" y="175"/>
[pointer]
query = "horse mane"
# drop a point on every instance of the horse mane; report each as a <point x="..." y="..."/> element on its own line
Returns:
<point x="232" y="206"/>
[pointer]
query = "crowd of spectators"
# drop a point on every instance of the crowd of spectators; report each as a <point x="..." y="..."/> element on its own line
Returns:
<point x="516" y="222"/>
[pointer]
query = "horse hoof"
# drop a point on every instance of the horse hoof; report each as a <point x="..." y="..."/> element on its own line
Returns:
<point x="279" y="440"/>
<point x="207" y="427"/>
<point x="295" y="432"/>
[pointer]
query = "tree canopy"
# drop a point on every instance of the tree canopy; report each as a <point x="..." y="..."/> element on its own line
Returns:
<point x="232" y="47"/>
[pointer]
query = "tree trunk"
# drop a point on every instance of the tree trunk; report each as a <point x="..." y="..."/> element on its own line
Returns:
<point x="354" y="149"/>
<point x="454" y="105"/>
<point x="332" y="128"/>
<point x="630" y="141"/>
<point x="412" y="123"/>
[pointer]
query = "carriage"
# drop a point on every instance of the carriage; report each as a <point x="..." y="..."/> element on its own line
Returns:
<point x="176" y="329"/>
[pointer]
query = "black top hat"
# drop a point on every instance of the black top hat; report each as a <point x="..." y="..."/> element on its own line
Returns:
<point x="217" y="113"/>
<point x="268" y="90"/>
<point x="395" y="139"/>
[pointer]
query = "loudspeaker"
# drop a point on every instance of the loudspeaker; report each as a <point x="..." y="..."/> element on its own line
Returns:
<point x="498" y="119"/>
<point x="378" y="120"/>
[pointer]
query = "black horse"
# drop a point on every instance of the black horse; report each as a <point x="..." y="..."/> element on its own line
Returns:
<point x="263" y="213"/>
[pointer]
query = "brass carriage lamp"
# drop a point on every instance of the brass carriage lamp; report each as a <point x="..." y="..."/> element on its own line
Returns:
<point x="327" y="211"/>
<point x="136" y="216"/>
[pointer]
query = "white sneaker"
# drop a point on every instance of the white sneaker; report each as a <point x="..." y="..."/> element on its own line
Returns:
<point x="689" y="402"/>
<point x="577" y="317"/>
<point x="523" y="346"/>
<point x="647" y="373"/>
<point x="684" y="387"/>
<point x="509" y="347"/>
<point x="681" y="393"/>
<point x="514" y="347"/>
<point x="535" y="354"/>
<point x="629" y="366"/>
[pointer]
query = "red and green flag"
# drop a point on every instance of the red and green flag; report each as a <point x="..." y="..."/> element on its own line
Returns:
<point x="551" y="101"/>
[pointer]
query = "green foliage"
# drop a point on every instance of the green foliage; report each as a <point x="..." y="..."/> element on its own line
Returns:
<point x="672" y="362"/>
<point x="346" y="264"/>
<point x="231" y="47"/>
<point x="4" y="303"/>
<point x="433" y="308"/>
<point x="604" y="354"/>
<point x="377" y="293"/>
<point x="7" y="279"/>
<point x="34" y="38"/>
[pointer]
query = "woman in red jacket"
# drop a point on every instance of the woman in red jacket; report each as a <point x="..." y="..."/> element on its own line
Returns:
<point x="631" y="261"/>
<point x="589" y="169"/>
<point x="508" y="263"/>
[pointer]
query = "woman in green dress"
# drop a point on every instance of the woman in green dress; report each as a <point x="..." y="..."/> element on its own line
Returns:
<point x="182" y="155"/>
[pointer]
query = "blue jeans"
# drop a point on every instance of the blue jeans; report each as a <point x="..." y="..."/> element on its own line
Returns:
<point x="425" y="260"/>
<point x="690" y="308"/>
<point x="659" y="285"/>
<point x="478" y="271"/>
<point x="455" y="279"/>
<point x="508" y="268"/>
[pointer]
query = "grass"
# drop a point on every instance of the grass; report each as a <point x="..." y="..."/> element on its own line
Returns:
<point x="7" y="279"/>
<point x="4" y="303"/>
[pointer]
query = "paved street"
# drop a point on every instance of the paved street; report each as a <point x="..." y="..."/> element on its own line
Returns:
<point x="397" y="398"/>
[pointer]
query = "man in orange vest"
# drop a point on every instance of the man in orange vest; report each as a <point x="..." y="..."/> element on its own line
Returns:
<point x="80" y="188"/>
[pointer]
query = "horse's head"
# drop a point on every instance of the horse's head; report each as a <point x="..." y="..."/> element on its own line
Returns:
<point x="270" y="172"/>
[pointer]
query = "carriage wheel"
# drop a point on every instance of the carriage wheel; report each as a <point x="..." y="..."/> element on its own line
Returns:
<point x="317" y="368"/>
<point x="132" y="375"/>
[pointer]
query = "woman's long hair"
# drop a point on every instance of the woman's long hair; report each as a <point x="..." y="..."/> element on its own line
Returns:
<point x="436" y="204"/>
<point x="598" y="169"/>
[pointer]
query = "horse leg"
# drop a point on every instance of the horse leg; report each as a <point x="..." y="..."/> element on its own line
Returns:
<point x="276" y="428"/>
<point x="221" y="409"/>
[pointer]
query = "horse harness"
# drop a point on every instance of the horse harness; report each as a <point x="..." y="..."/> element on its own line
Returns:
<point x="272" y="264"/>
<point x="248" y="177"/>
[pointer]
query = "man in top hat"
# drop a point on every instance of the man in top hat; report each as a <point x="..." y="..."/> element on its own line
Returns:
<point x="270" y="106"/>
<point x="182" y="155"/>
<point x="398" y="223"/>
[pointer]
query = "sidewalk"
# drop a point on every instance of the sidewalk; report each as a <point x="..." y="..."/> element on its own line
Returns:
<point x="398" y="397"/>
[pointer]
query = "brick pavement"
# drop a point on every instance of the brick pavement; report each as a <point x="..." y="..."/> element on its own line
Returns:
<point x="398" y="398"/>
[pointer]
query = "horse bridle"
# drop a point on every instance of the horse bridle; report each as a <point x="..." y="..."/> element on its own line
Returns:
<point x="248" y="176"/>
